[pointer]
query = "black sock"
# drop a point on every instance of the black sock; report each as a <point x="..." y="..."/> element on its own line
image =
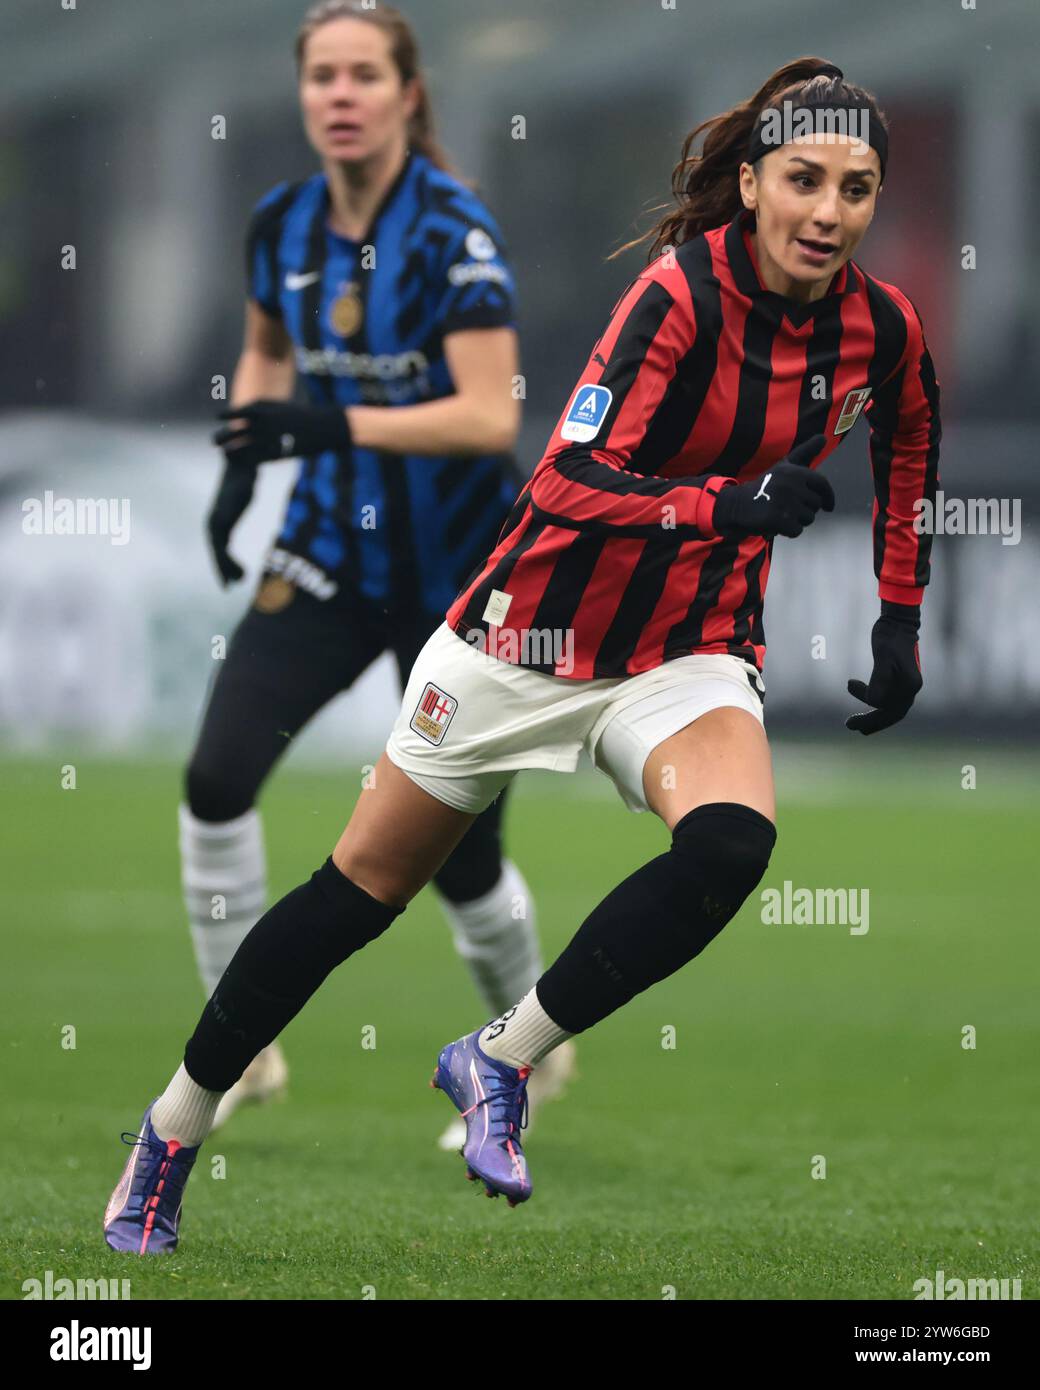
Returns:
<point x="283" y="960"/>
<point x="661" y="916"/>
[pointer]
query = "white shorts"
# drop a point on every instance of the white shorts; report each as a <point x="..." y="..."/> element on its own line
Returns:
<point x="469" y="721"/>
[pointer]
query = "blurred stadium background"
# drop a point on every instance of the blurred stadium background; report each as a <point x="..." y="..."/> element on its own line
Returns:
<point x="105" y="653"/>
<point x="108" y="367"/>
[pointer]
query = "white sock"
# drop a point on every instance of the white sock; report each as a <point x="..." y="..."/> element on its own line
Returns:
<point x="185" y="1110"/>
<point x="224" y="877"/>
<point x="523" y="1035"/>
<point x="497" y="937"/>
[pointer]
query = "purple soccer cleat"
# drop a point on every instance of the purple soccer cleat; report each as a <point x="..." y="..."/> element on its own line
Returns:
<point x="491" y="1096"/>
<point x="145" y="1209"/>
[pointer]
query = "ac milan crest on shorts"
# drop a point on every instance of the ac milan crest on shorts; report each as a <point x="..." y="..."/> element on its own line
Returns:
<point x="515" y="718"/>
<point x="433" y="713"/>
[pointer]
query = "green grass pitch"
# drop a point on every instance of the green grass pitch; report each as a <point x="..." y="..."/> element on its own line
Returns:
<point x="685" y="1169"/>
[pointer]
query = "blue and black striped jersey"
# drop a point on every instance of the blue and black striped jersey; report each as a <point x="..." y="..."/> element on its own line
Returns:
<point x="368" y="321"/>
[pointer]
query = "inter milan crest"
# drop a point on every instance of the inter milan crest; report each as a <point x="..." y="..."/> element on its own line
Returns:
<point x="346" y="312"/>
<point x="274" y="594"/>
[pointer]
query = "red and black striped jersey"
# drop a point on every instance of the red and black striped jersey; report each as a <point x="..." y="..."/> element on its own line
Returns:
<point x="703" y="378"/>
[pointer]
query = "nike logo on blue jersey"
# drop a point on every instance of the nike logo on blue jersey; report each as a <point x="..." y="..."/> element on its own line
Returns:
<point x="297" y="282"/>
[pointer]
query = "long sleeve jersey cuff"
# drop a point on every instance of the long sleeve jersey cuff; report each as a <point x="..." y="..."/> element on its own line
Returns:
<point x="900" y="593"/>
<point x="705" y="509"/>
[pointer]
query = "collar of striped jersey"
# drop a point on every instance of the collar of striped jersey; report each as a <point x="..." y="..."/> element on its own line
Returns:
<point x="748" y="281"/>
<point x="410" y="162"/>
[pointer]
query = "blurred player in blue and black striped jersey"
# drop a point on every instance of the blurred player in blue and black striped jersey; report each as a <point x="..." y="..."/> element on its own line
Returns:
<point x="381" y="284"/>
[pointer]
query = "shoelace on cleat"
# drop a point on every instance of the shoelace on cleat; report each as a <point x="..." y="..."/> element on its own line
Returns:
<point x="157" y="1182"/>
<point x="513" y="1098"/>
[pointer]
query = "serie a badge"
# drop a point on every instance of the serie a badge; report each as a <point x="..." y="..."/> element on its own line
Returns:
<point x="346" y="312"/>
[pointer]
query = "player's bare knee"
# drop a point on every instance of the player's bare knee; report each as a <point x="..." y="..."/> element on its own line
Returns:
<point x="375" y="873"/>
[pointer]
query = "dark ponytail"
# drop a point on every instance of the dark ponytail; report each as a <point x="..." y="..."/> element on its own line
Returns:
<point x="705" y="185"/>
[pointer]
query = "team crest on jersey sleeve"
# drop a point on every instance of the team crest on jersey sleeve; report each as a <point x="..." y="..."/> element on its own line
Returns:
<point x="853" y="404"/>
<point x="433" y="713"/>
<point x="587" y="412"/>
<point x="479" y="245"/>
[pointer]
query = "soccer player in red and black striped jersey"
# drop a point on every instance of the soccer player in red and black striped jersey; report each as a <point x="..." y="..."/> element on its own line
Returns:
<point x="710" y="371"/>
<point x="728" y="372"/>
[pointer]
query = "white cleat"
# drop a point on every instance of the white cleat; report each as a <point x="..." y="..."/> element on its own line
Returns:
<point x="548" y="1082"/>
<point x="266" y="1078"/>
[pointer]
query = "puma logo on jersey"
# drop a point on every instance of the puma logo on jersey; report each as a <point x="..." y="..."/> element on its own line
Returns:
<point x="762" y="490"/>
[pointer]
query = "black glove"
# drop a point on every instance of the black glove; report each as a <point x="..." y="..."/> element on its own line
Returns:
<point x="780" y="503"/>
<point x="897" y="669"/>
<point x="281" y="429"/>
<point x="233" y="497"/>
